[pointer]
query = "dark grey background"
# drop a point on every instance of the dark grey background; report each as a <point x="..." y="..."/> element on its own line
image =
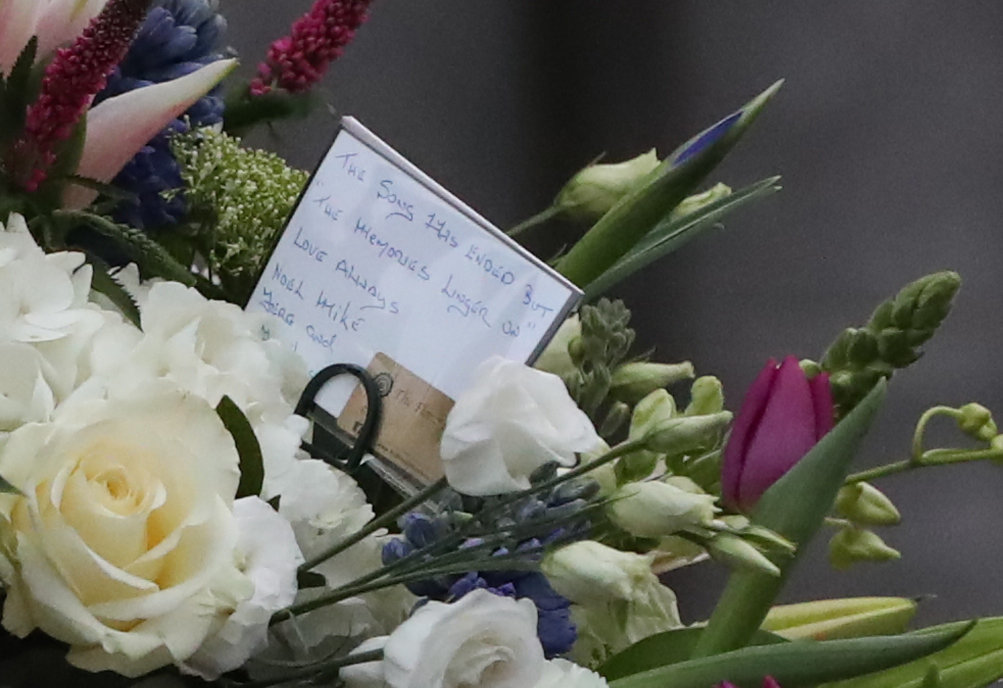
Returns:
<point x="887" y="134"/>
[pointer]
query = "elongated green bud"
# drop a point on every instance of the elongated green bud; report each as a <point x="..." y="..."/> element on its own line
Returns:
<point x="706" y="396"/>
<point x="595" y="189"/>
<point x="685" y="434"/>
<point x="977" y="421"/>
<point x="692" y="204"/>
<point x="631" y="382"/>
<point x="890" y="340"/>
<point x="736" y="553"/>
<point x="851" y="617"/>
<point x="865" y="504"/>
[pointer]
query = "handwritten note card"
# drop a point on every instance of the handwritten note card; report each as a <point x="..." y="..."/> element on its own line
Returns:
<point x="379" y="259"/>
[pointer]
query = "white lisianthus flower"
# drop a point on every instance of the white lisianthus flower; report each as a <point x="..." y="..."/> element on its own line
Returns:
<point x="560" y="673"/>
<point x="266" y="553"/>
<point x="617" y="599"/>
<point x="510" y="422"/>
<point x="657" y="509"/>
<point x="482" y="640"/>
<point x="123" y="534"/>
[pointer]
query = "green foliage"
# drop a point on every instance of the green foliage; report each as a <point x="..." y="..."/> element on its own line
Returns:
<point x="797" y="664"/>
<point x="104" y="283"/>
<point x="252" y="468"/>
<point x="890" y="340"/>
<point x="240" y="199"/>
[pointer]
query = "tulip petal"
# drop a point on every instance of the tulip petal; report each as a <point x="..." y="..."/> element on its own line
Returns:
<point x="784" y="434"/>
<point x="748" y="418"/>
<point x="18" y="19"/>
<point x="119" y="127"/>
<point x="821" y="396"/>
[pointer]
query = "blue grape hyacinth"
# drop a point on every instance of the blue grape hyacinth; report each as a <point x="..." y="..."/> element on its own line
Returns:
<point x="177" y="38"/>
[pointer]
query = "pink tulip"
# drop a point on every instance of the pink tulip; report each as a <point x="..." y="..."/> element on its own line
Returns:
<point x="783" y="416"/>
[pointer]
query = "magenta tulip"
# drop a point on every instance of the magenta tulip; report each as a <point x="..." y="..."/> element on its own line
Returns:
<point x="783" y="416"/>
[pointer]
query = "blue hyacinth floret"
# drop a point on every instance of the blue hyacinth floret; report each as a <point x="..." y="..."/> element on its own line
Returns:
<point x="562" y="506"/>
<point x="177" y="38"/>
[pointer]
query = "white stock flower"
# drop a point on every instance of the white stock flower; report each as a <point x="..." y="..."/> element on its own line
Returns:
<point x="267" y="554"/>
<point x="482" y="640"/>
<point x="511" y="421"/>
<point x="560" y="673"/>
<point x="124" y="530"/>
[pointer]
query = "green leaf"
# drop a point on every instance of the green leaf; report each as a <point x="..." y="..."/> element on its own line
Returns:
<point x="974" y="661"/>
<point x="310" y="579"/>
<point x="16" y="93"/>
<point x="794" y="507"/>
<point x="151" y="256"/>
<point x="103" y="283"/>
<point x="252" y="469"/>
<point x="7" y="488"/>
<point x="639" y="211"/>
<point x="672" y="233"/>
<point x="796" y="664"/>
<point x="663" y="649"/>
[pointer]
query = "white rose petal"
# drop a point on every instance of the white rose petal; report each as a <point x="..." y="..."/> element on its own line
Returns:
<point x="560" y="673"/>
<point x="513" y="420"/>
<point x="124" y="531"/>
<point x="482" y="640"/>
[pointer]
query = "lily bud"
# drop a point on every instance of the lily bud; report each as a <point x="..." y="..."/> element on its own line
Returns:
<point x="656" y="509"/>
<point x="736" y="553"/>
<point x="977" y="421"/>
<point x="852" y="545"/>
<point x="842" y="618"/>
<point x="631" y="382"/>
<point x="595" y="189"/>
<point x="863" y="503"/>
<point x="695" y="202"/>
<point x="783" y="416"/>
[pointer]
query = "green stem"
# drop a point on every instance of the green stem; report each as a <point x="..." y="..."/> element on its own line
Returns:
<point x="538" y="219"/>
<point x="928" y="415"/>
<point x="934" y="457"/>
<point x="315" y="669"/>
<point x="376" y="524"/>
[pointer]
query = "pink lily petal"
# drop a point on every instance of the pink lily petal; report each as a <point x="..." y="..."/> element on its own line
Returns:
<point x="63" y="20"/>
<point x="119" y="127"/>
<point x="18" y="20"/>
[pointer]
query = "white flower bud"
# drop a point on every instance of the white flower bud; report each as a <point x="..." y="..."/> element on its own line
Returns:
<point x="657" y="509"/>
<point x="594" y="190"/>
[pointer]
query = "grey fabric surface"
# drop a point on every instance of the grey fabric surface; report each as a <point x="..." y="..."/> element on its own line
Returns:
<point x="887" y="134"/>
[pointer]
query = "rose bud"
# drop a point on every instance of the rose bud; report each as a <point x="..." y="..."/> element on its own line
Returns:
<point x="783" y="416"/>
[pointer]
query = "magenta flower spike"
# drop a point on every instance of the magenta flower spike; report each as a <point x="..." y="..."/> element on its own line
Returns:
<point x="298" y="61"/>
<point x="783" y="416"/>
<point x="70" y="83"/>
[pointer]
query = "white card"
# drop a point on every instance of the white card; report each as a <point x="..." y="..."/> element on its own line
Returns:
<point x="379" y="259"/>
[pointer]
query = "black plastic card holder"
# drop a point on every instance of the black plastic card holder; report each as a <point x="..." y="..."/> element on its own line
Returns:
<point x="333" y="449"/>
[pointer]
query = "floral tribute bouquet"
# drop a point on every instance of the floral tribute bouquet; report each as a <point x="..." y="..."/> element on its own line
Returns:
<point x="162" y="520"/>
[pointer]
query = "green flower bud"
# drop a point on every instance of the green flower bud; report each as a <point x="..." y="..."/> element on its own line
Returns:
<point x="734" y="552"/>
<point x="695" y="202"/>
<point x="706" y="396"/>
<point x="865" y="504"/>
<point x="589" y="571"/>
<point x="616" y="416"/>
<point x="685" y="434"/>
<point x="595" y="189"/>
<point x="656" y="407"/>
<point x="631" y="382"/>
<point x="977" y="421"/>
<point x="852" y="617"/>
<point x="556" y="357"/>
<point x="656" y="509"/>
<point x="851" y="545"/>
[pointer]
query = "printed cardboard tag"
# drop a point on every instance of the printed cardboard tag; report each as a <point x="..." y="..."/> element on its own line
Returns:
<point x="414" y="416"/>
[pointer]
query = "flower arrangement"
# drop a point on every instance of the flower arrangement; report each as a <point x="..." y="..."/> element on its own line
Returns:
<point x="161" y="513"/>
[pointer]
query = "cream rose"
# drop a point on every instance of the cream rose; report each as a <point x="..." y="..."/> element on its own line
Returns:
<point x="510" y="422"/>
<point x="122" y="541"/>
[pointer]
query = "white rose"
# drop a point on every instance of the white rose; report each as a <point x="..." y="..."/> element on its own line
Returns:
<point x="482" y="640"/>
<point x="560" y="673"/>
<point x="510" y="422"/>
<point x="266" y="553"/>
<point x="123" y="534"/>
